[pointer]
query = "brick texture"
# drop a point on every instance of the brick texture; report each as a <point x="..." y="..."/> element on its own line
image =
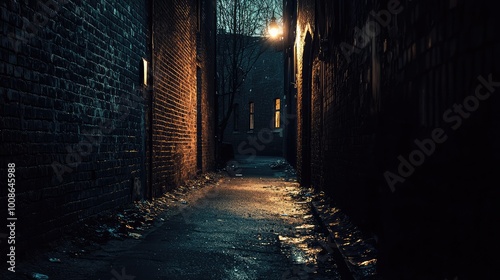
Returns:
<point x="206" y="86"/>
<point x="180" y="57"/>
<point x="359" y="109"/>
<point x="71" y="102"/>
<point x="84" y="132"/>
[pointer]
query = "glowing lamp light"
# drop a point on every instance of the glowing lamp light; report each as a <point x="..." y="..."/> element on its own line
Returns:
<point x="274" y="29"/>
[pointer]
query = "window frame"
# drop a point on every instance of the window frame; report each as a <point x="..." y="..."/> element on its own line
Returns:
<point x="277" y="113"/>
<point x="251" y="115"/>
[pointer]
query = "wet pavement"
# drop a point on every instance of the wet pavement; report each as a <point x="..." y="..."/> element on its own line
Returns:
<point x="246" y="227"/>
<point x="256" y="224"/>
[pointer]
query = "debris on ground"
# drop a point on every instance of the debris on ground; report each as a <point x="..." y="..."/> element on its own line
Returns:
<point x="131" y="221"/>
<point x="134" y="235"/>
<point x="357" y="249"/>
<point x="39" y="276"/>
<point x="287" y="170"/>
<point x="305" y="244"/>
<point x="279" y="165"/>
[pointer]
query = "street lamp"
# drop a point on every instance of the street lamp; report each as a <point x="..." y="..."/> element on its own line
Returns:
<point x="274" y="29"/>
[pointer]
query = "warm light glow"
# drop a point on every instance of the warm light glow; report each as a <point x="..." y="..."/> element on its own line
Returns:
<point x="145" y="71"/>
<point x="274" y="29"/>
<point x="277" y="113"/>
<point x="274" y="32"/>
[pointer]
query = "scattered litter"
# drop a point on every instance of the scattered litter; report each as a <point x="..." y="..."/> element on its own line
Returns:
<point x="368" y="262"/>
<point x="279" y="164"/>
<point x="134" y="235"/>
<point x="131" y="221"/>
<point x="55" y="260"/>
<point x="305" y="226"/>
<point x="39" y="276"/>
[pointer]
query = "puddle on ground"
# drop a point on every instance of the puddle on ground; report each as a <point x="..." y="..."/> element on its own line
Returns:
<point x="310" y="257"/>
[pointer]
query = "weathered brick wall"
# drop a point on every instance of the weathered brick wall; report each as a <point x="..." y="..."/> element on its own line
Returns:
<point x="344" y="99"/>
<point x="303" y="53"/>
<point x="373" y="101"/>
<point x="176" y="91"/>
<point x="72" y="108"/>
<point x="206" y="105"/>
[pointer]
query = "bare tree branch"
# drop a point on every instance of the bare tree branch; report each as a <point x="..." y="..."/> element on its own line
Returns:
<point x="241" y="40"/>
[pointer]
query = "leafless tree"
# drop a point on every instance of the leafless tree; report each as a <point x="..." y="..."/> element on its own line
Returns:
<point x="241" y="39"/>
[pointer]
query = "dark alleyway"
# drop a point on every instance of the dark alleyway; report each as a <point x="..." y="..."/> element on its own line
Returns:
<point x="256" y="225"/>
<point x="129" y="131"/>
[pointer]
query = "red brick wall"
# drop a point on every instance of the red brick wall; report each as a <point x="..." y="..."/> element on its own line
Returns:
<point x="206" y="107"/>
<point x="175" y="90"/>
<point x="303" y="50"/>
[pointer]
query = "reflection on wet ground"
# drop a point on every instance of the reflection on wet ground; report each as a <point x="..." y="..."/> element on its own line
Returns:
<point x="256" y="225"/>
<point x="357" y="250"/>
<point x="307" y="246"/>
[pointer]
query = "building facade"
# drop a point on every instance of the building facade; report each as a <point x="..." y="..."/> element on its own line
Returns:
<point x="102" y="103"/>
<point x="396" y="122"/>
<point x="256" y="123"/>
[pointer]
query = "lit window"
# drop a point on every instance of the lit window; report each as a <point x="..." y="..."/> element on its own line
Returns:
<point x="251" y="115"/>
<point x="277" y="113"/>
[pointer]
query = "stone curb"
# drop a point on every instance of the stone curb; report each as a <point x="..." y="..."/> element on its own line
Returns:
<point x="344" y="269"/>
<point x="347" y="257"/>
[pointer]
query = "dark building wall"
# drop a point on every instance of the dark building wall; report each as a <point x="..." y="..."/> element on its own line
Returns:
<point x="303" y="69"/>
<point x="72" y="107"/>
<point x="180" y="57"/>
<point x="262" y="85"/>
<point x="85" y="133"/>
<point x="370" y="103"/>
<point x="206" y="85"/>
<point x="289" y="81"/>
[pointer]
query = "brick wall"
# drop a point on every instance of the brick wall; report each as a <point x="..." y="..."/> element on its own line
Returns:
<point x="370" y="103"/>
<point x="206" y="93"/>
<point x="72" y="108"/>
<point x="175" y="94"/>
<point x="183" y="116"/>
<point x="303" y="54"/>
<point x="84" y="132"/>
